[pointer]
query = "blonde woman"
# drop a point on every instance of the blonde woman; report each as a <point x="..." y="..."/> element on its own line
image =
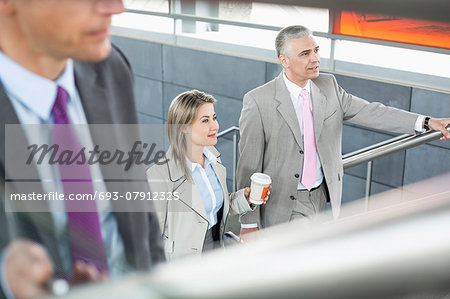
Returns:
<point x="194" y="219"/>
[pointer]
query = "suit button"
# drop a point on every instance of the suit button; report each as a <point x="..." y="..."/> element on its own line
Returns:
<point x="301" y="152"/>
<point x="297" y="175"/>
<point x="292" y="197"/>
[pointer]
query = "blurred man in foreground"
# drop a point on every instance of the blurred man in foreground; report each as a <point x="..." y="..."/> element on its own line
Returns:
<point x="57" y="67"/>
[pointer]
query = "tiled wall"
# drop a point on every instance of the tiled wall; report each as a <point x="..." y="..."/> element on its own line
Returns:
<point x="164" y="71"/>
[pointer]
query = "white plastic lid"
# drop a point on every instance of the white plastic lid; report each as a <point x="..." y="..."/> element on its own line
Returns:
<point x="261" y="178"/>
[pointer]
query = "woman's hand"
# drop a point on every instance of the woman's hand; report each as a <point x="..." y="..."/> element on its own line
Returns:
<point x="247" y="195"/>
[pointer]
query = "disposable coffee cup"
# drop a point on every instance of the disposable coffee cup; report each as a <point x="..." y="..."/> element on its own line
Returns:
<point x="260" y="183"/>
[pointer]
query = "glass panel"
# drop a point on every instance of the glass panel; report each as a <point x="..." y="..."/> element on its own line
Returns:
<point x="149" y="5"/>
<point x="398" y="29"/>
<point x="315" y="19"/>
<point x="258" y="38"/>
<point x="143" y="22"/>
<point x="257" y="13"/>
<point x="394" y="58"/>
<point x="237" y="35"/>
<point x="325" y="46"/>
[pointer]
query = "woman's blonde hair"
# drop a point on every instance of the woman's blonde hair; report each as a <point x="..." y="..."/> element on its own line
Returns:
<point x="181" y="115"/>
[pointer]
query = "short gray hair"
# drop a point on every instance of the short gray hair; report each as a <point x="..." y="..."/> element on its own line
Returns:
<point x="182" y="112"/>
<point x="288" y="33"/>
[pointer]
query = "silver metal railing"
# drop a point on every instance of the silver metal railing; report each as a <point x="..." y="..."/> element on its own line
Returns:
<point x="387" y="147"/>
<point x="367" y="154"/>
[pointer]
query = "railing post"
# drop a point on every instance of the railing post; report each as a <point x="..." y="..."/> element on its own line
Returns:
<point x="234" y="159"/>
<point x="235" y="131"/>
<point x="368" y="184"/>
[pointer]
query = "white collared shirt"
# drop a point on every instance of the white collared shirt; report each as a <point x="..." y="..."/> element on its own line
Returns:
<point x="208" y="185"/>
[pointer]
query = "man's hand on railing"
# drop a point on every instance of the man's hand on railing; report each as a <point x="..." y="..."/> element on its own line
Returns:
<point x="440" y="124"/>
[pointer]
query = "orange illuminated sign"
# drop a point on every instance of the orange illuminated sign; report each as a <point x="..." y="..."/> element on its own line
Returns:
<point x="397" y="29"/>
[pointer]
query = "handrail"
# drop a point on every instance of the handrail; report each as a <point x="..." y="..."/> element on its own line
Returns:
<point x="370" y="163"/>
<point x="230" y="129"/>
<point x="388" y="147"/>
<point x="365" y="149"/>
<point x="355" y="158"/>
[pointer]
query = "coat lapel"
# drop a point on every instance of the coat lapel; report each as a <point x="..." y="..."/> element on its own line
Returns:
<point x="221" y="174"/>
<point x="319" y="106"/>
<point x="286" y="109"/>
<point x="192" y="197"/>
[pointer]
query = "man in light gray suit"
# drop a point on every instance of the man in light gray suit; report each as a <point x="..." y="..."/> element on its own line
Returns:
<point x="291" y="129"/>
<point x="48" y="46"/>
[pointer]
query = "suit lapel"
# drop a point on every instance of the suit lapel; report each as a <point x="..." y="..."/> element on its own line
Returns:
<point x="93" y="95"/>
<point x="286" y="109"/>
<point x="41" y="221"/>
<point x="95" y="100"/>
<point x="319" y="106"/>
<point x="7" y="116"/>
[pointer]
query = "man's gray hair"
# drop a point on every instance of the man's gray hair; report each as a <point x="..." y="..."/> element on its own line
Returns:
<point x="288" y="33"/>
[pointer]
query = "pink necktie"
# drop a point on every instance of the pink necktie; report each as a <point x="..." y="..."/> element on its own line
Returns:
<point x="309" y="173"/>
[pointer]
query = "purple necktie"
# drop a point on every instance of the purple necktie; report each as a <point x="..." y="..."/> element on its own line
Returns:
<point x="309" y="173"/>
<point x="86" y="242"/>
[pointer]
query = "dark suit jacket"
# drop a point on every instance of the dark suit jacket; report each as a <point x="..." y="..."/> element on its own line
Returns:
<point x="106" y="92"/>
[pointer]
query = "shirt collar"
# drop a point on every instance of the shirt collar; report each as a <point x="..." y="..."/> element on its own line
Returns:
<point x="294" y="89"/>
<point x="209" y="158"/>
<point x="34" y="92"/>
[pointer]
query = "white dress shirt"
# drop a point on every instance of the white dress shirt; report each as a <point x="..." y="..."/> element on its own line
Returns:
<point x="209" y="186"/>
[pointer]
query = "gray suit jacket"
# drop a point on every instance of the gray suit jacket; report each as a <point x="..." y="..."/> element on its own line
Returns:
<point x="271" y="140"/>
<point x="106" y="91"/>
